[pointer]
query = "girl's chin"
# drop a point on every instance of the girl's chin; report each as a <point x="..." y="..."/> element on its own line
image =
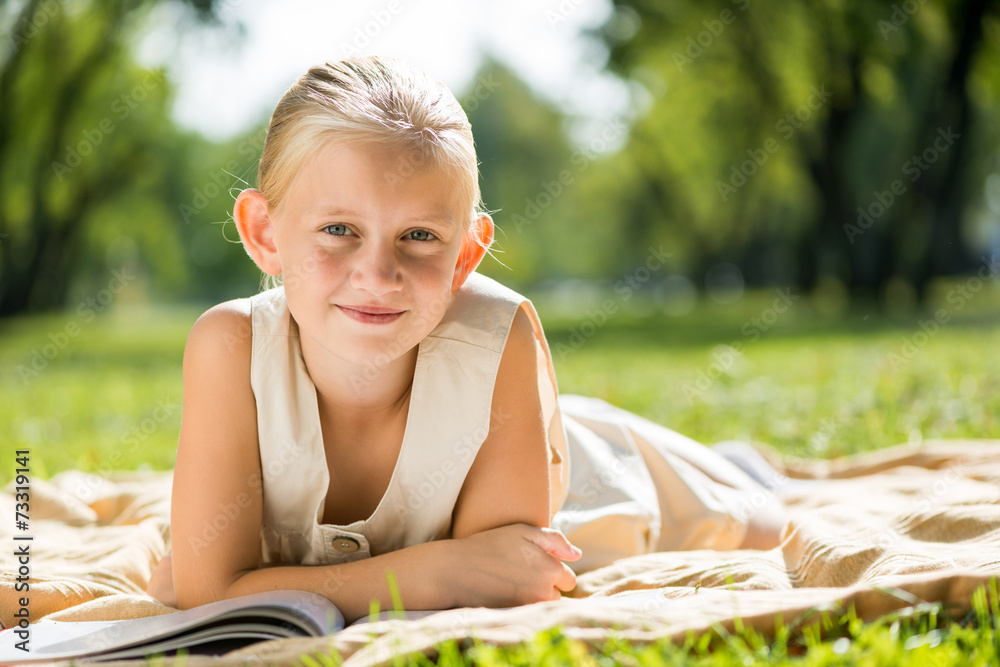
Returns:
<point x="377" y="355"/>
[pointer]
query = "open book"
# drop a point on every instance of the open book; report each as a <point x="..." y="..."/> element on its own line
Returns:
<point x="213" y="628"/>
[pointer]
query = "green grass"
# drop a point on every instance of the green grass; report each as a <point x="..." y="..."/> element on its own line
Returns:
<point x="819" y="381"/>
<point x="106" y="395"/>
<point x="924" y="635"/>
<point x="810" y="385"/>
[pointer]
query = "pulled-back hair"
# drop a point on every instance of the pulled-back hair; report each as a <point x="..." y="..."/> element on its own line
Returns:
<point x="370" y="99"/>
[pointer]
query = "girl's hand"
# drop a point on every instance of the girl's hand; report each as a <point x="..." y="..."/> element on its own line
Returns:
<point x="510" y="566"/>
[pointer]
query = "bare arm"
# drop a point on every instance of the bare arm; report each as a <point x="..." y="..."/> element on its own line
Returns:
<point x="217" y="506"/>
<point x="508" y="483"/>
<point x="216" y="510"/>
<point x="218" y="464"/>
<point x="509" y="480"/>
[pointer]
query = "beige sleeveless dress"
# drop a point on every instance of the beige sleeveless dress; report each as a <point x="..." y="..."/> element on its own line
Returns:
<point x="617" y="489"/>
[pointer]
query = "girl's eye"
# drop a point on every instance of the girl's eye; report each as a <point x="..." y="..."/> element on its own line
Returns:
<point x="337" y="230"/>
<point x="421" y="235"/>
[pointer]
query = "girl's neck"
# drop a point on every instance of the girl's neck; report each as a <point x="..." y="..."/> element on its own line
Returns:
<point x="346" y="391"/>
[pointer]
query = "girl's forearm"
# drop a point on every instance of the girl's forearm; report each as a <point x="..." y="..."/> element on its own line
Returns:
<point x="419" y="572"/>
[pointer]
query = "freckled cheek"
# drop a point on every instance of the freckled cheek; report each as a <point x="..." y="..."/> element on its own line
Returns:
<point x="314" y="269"/>
<point x="427" y="269"/>
<point x="431" y="279"/>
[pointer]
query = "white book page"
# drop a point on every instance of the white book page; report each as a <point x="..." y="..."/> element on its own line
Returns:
<point x="51" y="640"/>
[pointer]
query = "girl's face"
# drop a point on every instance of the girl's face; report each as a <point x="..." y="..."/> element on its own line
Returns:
<point x="368" y="241"/>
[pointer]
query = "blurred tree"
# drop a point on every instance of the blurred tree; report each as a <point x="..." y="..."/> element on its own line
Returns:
<point x="521" y="145"/>
<point x="554" y="203"/>
<point x="813" y="140"/>
<point x="86" y="149"/>
<point x="207" y="181"/>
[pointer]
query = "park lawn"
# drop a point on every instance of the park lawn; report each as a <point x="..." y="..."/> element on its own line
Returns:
<point x="806" y="389"/>
<point x="106" y="394"/>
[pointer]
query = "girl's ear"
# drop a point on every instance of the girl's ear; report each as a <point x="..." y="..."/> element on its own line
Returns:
<point x="474" y="246"/>
<point x="257" y="230"/>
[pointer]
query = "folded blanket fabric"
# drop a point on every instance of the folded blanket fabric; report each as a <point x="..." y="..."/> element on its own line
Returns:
<point x="924" y="520"/>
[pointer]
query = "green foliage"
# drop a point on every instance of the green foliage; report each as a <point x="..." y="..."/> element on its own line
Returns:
<point x="93" y="170"/>
<point x="764" y="126"/>
<point x="925" y="634"/>
<point x="521" y="145"/>
<point x="210" y="178"/>
<point x="96" y="177"/>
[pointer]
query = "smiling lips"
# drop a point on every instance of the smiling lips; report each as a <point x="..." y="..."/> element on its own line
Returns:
<point x="371" y="314"/>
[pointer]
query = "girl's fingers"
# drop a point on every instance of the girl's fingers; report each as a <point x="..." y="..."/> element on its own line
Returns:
<point x="555" y="544"/>
<point x="567" y="581"/>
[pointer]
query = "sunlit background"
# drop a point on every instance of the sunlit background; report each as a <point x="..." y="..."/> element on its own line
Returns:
<point x="776" y="220"/>
<point x="846" y="151"/>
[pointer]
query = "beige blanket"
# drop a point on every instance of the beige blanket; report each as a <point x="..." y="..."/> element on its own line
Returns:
<point x="903" y="523"/>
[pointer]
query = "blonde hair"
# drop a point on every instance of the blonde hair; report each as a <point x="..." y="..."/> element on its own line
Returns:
<point x="368" y="100"/>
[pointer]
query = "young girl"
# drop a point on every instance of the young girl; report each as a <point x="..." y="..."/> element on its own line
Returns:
<point x="387" y="408"/>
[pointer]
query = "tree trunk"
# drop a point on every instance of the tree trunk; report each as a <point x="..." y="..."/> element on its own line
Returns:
<point x="945" y="252"/>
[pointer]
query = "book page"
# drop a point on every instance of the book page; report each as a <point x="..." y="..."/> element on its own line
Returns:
<point x="287" y="612"/>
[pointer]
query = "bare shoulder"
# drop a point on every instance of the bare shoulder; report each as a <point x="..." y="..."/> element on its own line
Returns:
<point x="216" y="375"/>
<point x="217" y="360"/>
<point x="518" y="369"/>
<point x="521" y="342"/>
<point x="223" y="327"/>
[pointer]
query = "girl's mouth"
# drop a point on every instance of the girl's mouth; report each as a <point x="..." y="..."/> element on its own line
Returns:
<point x="371" y="314"/>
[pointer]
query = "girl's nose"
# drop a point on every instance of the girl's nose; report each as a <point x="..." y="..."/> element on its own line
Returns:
<point x="377" y="270"/>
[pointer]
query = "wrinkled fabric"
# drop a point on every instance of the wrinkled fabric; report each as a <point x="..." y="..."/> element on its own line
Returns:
<point x="874" y="531"/>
